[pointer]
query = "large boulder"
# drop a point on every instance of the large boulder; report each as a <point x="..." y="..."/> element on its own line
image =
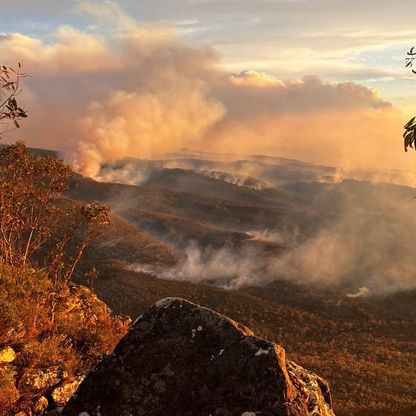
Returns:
<point x="182" y="359"/>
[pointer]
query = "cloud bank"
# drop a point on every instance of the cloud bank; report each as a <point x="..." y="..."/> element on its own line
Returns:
<point x="139" y="91"/>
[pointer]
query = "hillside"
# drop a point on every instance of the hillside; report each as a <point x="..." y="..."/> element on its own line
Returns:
<point x="232" y="236"/>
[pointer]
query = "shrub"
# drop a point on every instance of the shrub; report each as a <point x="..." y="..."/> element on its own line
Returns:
<point x="83" y="330"/>
<point x="58" y="330"/>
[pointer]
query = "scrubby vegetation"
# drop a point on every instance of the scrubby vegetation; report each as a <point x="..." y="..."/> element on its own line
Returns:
<point x="51" y="331"/>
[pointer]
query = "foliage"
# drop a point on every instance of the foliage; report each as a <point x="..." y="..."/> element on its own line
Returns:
<point x="8" y="390"/>
<point x="35" y="227"/>
<point x="58" y="330"/>
<point x="409" y="134"/>
<point x="10" y="110"/>
<point x="82" y="331"/>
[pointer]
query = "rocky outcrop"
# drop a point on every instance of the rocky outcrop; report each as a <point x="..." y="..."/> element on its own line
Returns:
<point x="185" y="360"/>
<point x="43" y="372"/>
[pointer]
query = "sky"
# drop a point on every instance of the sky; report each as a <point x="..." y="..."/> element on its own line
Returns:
<point x="249" y="69"/>
<point x="363" y="41"/>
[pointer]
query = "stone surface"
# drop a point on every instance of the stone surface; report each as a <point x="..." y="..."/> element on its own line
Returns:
<point x="62" y="394"/>
<point x="185" y="360"/>
<point x="54" y="412"/>
<point x="41" y="404"/>
<point x="7" y="355"/>
<point x="37" y="379"/>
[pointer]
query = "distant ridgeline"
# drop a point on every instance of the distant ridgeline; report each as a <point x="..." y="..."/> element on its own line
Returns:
<point x="40" y="152"/>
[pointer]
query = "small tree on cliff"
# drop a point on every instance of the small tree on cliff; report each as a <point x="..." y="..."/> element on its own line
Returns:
<point x="37" y="227"/>
<point x="50" y="324"/>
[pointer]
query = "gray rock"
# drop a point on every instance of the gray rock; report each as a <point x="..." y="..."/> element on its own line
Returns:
<point x="55" y="412"/>
<point x="182" y="359"/>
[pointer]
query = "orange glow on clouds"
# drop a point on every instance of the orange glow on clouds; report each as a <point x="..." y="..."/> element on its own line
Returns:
<point x="144" y="91"/>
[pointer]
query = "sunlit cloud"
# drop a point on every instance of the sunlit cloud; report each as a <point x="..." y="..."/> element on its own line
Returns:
<point x="138" y="90"/>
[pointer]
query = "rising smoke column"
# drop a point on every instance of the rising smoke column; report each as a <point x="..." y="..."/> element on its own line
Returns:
<point x="139" y="91"/>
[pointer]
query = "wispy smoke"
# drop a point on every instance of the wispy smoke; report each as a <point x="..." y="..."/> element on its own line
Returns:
<point x="128" y="173"/>
<point x="362" y="291"/>
<point x="363" y="242"/>
<point x="226" y="267"/>
<point x="350" y="233"/>
<point x="287" y="238"/>
<point x="138" y="91"/>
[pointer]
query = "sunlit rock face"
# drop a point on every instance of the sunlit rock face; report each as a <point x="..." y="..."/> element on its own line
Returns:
<point x="7" y="355"/>
<point x="182" y="359"/>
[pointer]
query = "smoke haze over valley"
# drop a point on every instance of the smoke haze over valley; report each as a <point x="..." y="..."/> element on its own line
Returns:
<point x="326" y="251"/>
<point x="291" y="221"/>
<point x="142" y="94"/>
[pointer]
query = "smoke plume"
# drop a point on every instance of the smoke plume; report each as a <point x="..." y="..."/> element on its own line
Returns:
<point x="137" y="91"/>
<point x="361" y="241"/>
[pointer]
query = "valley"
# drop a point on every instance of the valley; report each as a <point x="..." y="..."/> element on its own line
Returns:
<point x="267" y="257"/>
